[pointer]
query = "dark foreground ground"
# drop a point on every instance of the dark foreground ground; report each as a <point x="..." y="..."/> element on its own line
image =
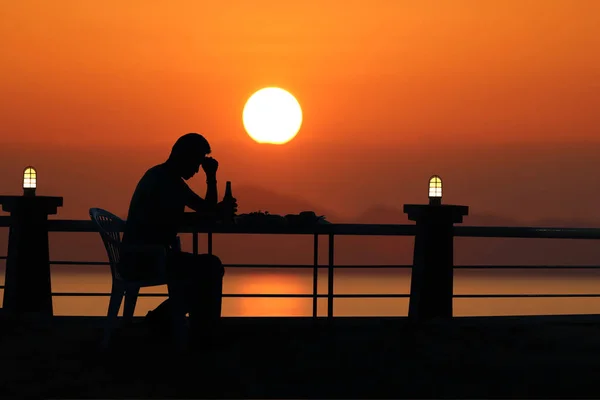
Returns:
<point x="495" y="357"/>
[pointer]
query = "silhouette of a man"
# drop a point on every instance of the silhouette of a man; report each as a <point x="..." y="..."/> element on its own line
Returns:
<point x="150" y="248"/>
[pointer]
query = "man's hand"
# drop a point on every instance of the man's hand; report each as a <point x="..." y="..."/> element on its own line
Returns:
<point x="227" y="208"/>
<point x="210" y="166"/>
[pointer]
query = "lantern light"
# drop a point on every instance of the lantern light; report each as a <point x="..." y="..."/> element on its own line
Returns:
<point x="435" y="190"/>
<point x="29" y="181"/>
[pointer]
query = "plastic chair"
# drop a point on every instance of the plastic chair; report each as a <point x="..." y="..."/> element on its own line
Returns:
<point x="110" y="227"/>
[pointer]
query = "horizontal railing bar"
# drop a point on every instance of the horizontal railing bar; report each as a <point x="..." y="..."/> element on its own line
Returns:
<point x="370" y="266"/>
<point x="345" y="295"/>
<point x="100" y="294"/>
<point x="367" y="295"/>
<point x="541" y="295"/>
<point x="526" y="267"/>
<point x="61" y="225"/>
<point x="79" y="263"/>
<point x="244" y="295"/>
<point x="296" y="266"/>
<point x="527" y="232"/>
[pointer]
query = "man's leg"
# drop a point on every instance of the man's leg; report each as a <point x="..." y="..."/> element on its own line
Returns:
<point x="161" y="318"/>
<point x="206" y="287"/>
<point x="200" y="278"/>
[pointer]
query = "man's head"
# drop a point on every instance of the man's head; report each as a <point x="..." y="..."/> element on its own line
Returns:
<point x="188" y="153"/>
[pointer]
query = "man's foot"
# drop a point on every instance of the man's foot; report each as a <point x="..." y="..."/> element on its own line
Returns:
<point x="160" y="324"/>
<point x="162" y="329"/>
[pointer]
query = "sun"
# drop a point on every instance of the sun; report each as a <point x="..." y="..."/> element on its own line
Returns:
<point x="272" y="115"/>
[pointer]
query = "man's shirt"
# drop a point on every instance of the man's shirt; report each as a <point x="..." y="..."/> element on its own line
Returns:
<point x="155" y="212"/>
<point x="157" y="207"/>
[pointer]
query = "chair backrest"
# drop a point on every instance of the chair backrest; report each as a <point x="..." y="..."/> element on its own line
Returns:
<point x="110" y="227"/>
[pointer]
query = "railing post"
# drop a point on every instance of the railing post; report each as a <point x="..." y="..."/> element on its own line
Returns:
<point x="315" y="275"/>
<point x="431" y="287"/>
<point x="330" y="279"/>
<point x="27" y="283"/>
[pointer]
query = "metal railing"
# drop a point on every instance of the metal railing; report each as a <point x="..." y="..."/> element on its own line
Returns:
<point x="333" y="230"/>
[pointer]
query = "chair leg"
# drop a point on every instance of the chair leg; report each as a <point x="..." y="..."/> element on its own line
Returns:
<point x="131" y="295"/>
<point x="116" y="297"/>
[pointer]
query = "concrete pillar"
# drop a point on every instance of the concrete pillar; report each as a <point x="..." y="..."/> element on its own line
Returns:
<point x="27" y="285"/>
<point x="431" y="288"/>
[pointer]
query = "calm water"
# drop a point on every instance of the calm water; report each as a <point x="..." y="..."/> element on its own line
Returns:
<point x="97" y="279"/>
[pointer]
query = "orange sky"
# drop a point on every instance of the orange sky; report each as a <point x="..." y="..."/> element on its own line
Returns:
<point x="408" y="71"/>
<point x="384" y="79"/>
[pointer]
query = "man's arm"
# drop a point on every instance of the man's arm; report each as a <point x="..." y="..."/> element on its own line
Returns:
<point x="211" y="190"/>
<point x="208" y="205"/>
<point x="198" y="204"/>
<point x="210" y="167"/>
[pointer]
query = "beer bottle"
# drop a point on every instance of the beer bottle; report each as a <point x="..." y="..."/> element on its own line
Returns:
<point x="228" y="196"/>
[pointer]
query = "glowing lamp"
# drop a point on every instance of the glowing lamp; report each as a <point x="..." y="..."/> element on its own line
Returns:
<point x="29" y="181"/>
<point x="435" y="190"/>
